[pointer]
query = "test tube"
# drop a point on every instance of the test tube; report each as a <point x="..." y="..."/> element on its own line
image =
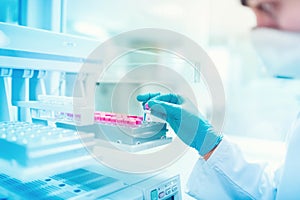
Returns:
<point x="113" y="120"/>
<point x="77" y="117"/>
<point x="147" y="114"/>
<point x="138" y="122"/>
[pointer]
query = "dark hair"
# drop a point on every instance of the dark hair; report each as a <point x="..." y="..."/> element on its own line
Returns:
<point x="244" y="2"/>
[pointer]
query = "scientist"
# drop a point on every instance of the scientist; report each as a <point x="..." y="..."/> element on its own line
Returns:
<point x="222" y="172"/>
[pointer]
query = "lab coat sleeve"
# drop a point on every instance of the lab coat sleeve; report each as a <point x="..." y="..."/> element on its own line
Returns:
<point x="228" y="175"/>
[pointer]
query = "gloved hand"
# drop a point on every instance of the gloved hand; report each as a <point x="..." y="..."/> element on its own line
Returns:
<point x="184" y="119"/>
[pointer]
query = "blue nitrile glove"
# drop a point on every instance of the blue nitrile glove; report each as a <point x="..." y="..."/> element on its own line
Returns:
<point x="185" y="120"/>
<point x="144" y="98"/>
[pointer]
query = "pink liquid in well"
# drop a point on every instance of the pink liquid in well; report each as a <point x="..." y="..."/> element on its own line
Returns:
<point x="117" y="118"/>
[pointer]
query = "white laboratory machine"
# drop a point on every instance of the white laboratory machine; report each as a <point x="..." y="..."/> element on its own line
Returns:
<point x="48" y="134"/>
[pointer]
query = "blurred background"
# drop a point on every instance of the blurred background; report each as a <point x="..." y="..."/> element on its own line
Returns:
<point x="257" y="105"/>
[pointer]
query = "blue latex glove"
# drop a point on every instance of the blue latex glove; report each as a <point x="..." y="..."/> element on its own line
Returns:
<point x="184" y="119"/>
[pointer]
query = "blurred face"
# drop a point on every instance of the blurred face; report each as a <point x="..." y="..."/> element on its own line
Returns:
<point x="278" y="14"/>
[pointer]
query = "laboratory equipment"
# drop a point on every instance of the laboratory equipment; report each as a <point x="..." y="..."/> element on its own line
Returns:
<point x="167" y="190"/>
<point x="86" y="184"/>
<point x="129" y="129"/>
<point x="76" y="184"/>
<point x="130" y="132"/>
<point x="28" y="149"/>
<point x="147" y="113"/>
<point x="47" y="136"/>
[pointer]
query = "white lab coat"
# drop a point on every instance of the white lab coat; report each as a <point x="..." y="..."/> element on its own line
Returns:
<point x="227" y="175"/>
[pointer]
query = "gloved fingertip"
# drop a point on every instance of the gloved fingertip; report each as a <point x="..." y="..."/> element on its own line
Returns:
<point x="154" y="94"/>
<point x="147" y="96"/>
<point x="140" y="97"/>
<point x="152" y="103"/>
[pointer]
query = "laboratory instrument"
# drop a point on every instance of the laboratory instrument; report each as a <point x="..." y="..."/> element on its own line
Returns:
<point x="47" y="135"/>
